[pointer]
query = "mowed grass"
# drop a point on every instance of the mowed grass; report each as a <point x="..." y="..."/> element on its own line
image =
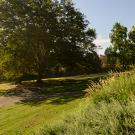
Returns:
<point x="30" y="116"/>
<point x="26" y="119"/>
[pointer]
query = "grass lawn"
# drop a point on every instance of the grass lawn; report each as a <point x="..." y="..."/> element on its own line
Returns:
<point x="27" y="119"/>
<point x="31" y="115"/>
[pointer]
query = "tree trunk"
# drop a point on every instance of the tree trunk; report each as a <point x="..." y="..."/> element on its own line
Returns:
<point x="39" y="78"/>
<point x="19" y="80"/>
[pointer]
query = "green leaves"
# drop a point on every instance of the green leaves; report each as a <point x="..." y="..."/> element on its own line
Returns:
<point x="122" y="45"/>
<point x="40" y="35"/>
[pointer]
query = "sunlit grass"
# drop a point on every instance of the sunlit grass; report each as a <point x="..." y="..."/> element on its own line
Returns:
<point x="6" y="86"/>
<point x="31" y="117"/>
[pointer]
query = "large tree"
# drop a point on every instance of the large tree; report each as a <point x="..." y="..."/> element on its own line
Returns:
<point x="28" y="31"/>
<point x="37" y="34"/>
<point x="75" y="38"/>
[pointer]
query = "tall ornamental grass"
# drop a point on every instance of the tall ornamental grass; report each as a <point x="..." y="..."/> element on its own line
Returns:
<point x="109" y="109"/>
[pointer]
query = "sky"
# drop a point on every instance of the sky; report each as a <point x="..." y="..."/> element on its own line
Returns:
<point x="103" y="14"/>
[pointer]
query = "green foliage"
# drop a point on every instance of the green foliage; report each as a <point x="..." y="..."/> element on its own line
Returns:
<point x="36" y="35"/>
<point x="105" y="119"/>
<point x="122" y="50"/>
<point x="27" y="27"/>
<point x="131" y="52"/>
<point x="109" y="110"/>
<point x="111" y="57"/>
<point x="119" y="41"/>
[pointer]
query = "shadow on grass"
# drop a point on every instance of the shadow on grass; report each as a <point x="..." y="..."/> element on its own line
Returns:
<point x="57" y="99"/>
<point x="51" y="91"/>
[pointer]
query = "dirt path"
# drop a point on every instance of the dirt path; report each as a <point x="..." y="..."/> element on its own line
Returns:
<point x="4" y="101"/>
<point x="24" y="94"/>
<point x="11" y="100"/>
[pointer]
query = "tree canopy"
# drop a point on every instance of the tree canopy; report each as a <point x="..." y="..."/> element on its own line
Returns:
<point x="123" y="46"/>
<point x="119" y="41"/>
<point x="36" y="35"/>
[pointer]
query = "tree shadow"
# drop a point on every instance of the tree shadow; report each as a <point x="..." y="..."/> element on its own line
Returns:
<point x="57" y="99"/>
<point x="50" y="92"/>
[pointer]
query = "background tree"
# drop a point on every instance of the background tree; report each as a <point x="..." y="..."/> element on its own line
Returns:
<point x="111" y="57"/>
<point x="131" y="51"/>
<point x="123" y="45"/>
<point x="119" y="40"/>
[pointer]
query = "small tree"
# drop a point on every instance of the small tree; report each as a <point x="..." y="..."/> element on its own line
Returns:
<point x="119" y="40"/>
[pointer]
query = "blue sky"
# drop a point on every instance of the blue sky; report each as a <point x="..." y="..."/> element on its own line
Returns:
<point x="102" y="14"/>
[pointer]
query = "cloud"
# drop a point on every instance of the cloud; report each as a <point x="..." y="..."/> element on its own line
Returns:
<point x="102" y="41"/>
<point x="101" y="52"/>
